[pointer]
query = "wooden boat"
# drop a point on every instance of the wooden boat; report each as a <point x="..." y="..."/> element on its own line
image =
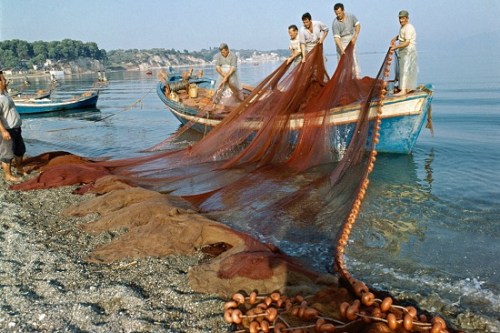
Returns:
<point x="33" y="106"/>
<point x="402" y="116"/>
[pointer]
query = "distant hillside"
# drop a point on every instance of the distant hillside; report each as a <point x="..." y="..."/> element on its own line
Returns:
<point x="142" y="59"/>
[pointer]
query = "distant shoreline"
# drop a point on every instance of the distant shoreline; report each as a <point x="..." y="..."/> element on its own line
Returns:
<point x="38" y="74"/>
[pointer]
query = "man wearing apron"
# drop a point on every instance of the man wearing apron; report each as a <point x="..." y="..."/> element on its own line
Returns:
<point x="226" y="64"/>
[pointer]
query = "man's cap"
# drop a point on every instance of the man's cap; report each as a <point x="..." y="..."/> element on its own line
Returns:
<point x="404" y="13"/>
<point x="223" y="46"/>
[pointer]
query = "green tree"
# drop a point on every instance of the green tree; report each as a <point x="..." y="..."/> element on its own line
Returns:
<point x="39" y="60"/>
<point x="53" y="50"/>
<point x="40" y="49"/>
<point x="9" y="59"/>
<point x="24" y="50"/>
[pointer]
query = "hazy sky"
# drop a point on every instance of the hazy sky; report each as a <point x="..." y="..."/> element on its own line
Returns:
<point x="255" y="24"/>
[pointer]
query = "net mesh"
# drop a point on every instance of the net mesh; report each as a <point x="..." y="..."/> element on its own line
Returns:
<point x="281" y="165"/>
<point x="285" y="166"/>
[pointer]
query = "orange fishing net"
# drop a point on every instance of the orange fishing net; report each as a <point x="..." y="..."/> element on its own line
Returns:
<point x="283" y="167"/>
<point x="283" y="129"/>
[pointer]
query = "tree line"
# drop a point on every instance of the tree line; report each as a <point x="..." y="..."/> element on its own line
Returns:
<point x="24" y="55"/>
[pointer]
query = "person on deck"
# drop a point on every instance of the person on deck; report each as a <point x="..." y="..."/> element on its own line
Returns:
<point x="226" y="64"/>
<point x="312" y="33"/>
<point x="294" y="46"/>
<point x="407" y="54"/>
<point x="11" y="141"/>
<point x="345" y="28"/>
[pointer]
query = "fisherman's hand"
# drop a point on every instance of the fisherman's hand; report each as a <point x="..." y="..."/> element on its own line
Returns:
<point x="6" y="135"/>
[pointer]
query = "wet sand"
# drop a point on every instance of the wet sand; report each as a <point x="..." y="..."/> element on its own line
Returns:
<point x="45" y="286"/>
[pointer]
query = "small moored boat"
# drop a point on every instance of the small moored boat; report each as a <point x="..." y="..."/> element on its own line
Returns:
<point x="33" y="106"/>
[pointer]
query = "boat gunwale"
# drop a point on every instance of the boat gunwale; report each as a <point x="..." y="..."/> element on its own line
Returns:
<point x="194" y="114"/>
<point x="45" y="103"/>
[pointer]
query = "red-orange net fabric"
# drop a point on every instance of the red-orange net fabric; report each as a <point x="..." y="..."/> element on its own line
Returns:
<point x="288" y="166"/>
<point x="281" y="165"/>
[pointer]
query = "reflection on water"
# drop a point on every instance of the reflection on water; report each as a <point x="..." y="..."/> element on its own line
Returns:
<point x="390" y="217"/>
<point x="411" y="242"/>
<point x="428" y="168"/>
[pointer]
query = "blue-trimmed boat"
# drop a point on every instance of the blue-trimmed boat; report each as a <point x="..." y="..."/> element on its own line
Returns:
<point x="402" y="116"/>
<point x="34" y="106"/>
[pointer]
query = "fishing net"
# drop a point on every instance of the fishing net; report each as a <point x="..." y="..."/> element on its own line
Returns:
<point x="283" y="128"/>
<point x="287" y="168"/>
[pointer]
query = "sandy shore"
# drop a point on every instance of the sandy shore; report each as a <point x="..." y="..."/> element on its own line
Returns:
<point x="45" y="286"/>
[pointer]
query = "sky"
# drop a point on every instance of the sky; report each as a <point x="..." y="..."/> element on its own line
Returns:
<point x="257" y="24"/>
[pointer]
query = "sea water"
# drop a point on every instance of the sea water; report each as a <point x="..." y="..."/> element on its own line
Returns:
<point x="429" y="227"/>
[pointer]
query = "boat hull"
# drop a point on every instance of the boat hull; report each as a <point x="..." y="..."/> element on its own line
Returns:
<point x="402" y="120"/>
<point x="44" y="106"/>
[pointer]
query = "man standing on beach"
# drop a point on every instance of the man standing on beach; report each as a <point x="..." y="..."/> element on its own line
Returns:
<point x="11" y="142"/>
<point x="345" y="29"/>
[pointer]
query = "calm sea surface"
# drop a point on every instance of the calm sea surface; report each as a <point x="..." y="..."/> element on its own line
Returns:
<point x="430" y="225"/>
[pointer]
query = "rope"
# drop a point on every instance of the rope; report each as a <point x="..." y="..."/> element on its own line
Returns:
<point x="358" y="286"/>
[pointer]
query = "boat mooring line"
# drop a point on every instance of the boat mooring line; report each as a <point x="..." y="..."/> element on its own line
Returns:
<point x="111" y="115"/>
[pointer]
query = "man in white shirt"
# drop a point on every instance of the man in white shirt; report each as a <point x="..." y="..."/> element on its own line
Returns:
<point x="294" y="46"/>
<point x="406" y="47"/>
<point x="312" y="33"/>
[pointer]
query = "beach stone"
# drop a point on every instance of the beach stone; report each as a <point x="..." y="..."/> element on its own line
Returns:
<point x="45" y="286"/>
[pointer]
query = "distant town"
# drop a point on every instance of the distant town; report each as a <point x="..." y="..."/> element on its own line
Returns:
<point x="22" y="58"/>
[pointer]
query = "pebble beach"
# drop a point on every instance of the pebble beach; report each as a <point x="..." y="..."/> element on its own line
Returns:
<point x="46" y="286"/>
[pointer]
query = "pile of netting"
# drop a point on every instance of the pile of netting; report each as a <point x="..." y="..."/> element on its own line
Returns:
<point x="283" y="169"/>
